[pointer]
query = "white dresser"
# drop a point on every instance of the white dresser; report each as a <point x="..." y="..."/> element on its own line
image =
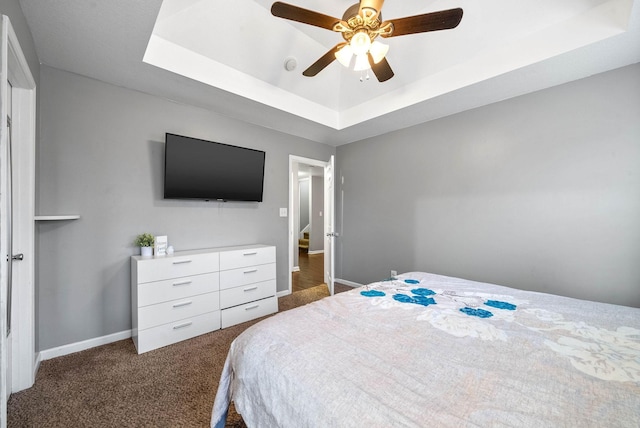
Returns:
<point x="247" y="284"/>
<point x="189" y="293"/>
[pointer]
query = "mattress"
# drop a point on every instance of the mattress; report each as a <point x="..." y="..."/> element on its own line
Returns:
<point x="431" y="350"/>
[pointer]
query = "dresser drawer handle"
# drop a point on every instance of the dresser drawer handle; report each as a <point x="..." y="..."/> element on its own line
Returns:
<point x="252" y="253"/>
<point x="183" y="325"/>
<point x="251" y="288"/>
<point x="178" y="305"/>
<point x="179" y="262"/>
<point x="248" y="308"/>
<point x="251" y="271"/>
<point x="176" y="284"/>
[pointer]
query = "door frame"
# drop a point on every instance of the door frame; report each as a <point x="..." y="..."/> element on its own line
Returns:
<point x="23" y="117"/>
<point x="329" y="223"/>
<point x="293" y="177"/>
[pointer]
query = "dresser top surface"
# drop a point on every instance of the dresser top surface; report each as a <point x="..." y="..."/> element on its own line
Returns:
<point x="201" y="251"/>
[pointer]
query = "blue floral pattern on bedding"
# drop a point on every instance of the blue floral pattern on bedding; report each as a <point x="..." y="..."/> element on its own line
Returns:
<point x="598" y="352"/>
<point x="423" y="292"/>
<point x="500" y="305"/>
<point x="480" y="313"/>
<point x="417" y="299"/>
<point x="419" y="296"/>
<point x="373" y="293"/>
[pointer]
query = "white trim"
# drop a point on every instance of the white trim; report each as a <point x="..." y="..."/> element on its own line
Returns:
<point x="348" y="283"/>
<point x="283" y="293"/>
<point x="315" y="252"/>
<point x="36" y="364"/>
<point x="296" y="269"/>
<point x="59" y="351"/>
<point x="304" y="229"/>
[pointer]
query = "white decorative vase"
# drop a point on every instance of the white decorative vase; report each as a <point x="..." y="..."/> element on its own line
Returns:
<point x="146" y="251"/>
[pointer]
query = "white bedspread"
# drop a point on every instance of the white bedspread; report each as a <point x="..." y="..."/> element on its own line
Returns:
<point x="430" y="350"/>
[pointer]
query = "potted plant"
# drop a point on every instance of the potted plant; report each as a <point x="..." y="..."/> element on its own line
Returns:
<point x="145" y="242"/>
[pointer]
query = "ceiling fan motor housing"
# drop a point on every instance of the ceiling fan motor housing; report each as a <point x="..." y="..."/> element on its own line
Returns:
<point x="368" y="22"/>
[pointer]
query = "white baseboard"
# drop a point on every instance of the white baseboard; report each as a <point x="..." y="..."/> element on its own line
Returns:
<point x="36" y="364"/>
<point x="59" y="351"/>
<point x="283" y="293"/>
<point x="349" y="283"/>
<point x="48" y="354"/>
<point x="315" y="252"/>
<point x="296" y="269"/>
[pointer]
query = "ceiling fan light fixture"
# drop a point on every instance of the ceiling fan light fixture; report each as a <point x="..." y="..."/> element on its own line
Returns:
<point x="360" y="43"/>
<point x="360" y="25"/>
<point x="344" y="55"/>
<point x="378" y="51"/>
<point x="362" y="63"/>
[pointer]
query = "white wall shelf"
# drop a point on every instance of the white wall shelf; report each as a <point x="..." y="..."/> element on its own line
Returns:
<point x="56" y="217"/>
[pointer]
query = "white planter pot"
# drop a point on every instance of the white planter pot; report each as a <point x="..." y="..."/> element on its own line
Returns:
<point x="146" y="251"/>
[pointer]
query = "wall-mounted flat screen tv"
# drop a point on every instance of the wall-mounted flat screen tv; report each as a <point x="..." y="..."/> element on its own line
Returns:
<point x="200" y="169"/>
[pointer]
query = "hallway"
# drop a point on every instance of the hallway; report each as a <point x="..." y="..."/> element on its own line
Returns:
<point x="311" y="271"/>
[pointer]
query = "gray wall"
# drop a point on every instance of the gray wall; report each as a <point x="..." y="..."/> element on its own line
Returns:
<point x="101" y="156"/>
<point x="539" y="192"/>
<point x="303" y="205"/>
<point x="316" y="242"/>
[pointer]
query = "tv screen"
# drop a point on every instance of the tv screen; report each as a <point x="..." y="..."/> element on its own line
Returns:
<point x="200" y="169"/>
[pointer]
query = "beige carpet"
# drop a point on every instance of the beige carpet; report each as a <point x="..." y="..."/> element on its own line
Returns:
<point x="112" y="386"/>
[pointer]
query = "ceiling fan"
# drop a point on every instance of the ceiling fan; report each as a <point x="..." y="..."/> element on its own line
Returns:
<point x="360" y="25"/>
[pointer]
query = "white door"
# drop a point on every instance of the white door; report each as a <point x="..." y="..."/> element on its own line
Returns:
<point x="17" y="202"/>
<point x="329" y="223"/>
<point x="5" y="386"/>
<point x="5" y="232"/>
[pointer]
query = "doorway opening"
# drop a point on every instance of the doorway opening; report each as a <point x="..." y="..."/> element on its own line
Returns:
<point x="308" y="223"/>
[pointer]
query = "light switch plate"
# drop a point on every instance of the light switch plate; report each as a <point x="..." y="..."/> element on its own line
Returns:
<point x="283" y="212"/>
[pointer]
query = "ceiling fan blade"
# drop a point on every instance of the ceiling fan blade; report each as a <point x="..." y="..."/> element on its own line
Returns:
<point x="295" y="13"/>
<point x="434" y="21"/>
<point x="382" y="70"/>
<point x="324" y="61"/>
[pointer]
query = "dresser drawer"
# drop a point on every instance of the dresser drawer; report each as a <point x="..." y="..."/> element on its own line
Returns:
<point x="172" y="332"/>
<point x="247" y="257"/>
<point x="151" y="293"/>
<point x="156" y="269"/>
<point x="247" y="275"/>
<point x="249" y="311"/>
<point x="162" y="313"/>
<point x="247" y="293"/>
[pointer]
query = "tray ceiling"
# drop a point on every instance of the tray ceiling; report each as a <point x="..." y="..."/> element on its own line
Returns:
<point x="229" y="57"/>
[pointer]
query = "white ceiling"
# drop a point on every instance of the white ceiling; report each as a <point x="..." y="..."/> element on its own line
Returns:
<point x="228" y="56"/>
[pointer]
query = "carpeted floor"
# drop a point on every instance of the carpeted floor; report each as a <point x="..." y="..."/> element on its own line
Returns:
<point x="111" y="385"/>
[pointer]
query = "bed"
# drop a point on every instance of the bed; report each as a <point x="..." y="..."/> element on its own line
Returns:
<point x="430" y="350"/>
